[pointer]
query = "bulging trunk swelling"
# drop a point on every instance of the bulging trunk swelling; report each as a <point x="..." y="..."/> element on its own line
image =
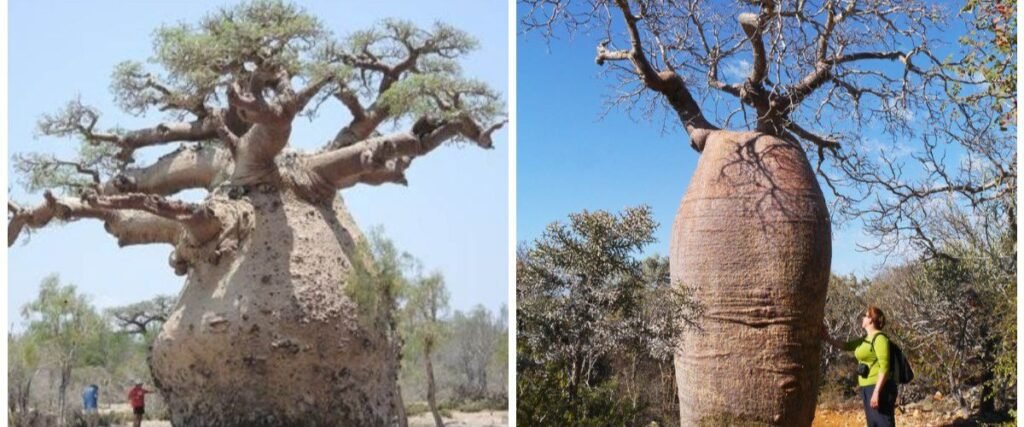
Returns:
<point x="268" y="336"/>
<point x="752" y="239"/>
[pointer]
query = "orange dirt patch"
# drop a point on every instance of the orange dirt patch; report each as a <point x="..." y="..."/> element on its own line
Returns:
<point x="855" y="418"/>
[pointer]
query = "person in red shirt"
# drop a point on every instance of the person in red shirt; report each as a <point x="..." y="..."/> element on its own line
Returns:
<point x="137" y="398"/>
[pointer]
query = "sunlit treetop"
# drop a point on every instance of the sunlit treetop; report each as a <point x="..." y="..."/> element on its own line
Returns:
<point x="229" y="88"/>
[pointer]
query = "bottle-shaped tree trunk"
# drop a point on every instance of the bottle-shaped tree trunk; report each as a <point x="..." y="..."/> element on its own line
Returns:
<point x="752" y="240"/>
<point x="268" y="335"/>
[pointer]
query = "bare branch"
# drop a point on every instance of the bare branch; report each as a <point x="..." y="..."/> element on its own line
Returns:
<point x="302" y="98"/>
<point x="385" y="158"/>
<point x="752" y="27"/>
<point x="198" y="166"/>
<point x="199" y="220"/>
<point x="667" y="83"/>
<point x="82" y="122"/>
<point x="820" y="141"/>
<point x="129" y="227"/>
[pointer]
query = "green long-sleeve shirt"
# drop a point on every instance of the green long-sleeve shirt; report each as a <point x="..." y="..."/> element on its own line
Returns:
<point x="878" y="360"/>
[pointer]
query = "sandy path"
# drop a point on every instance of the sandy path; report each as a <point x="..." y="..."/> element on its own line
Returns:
<point x="458" y="419"/>
<point x="464" y="419"/>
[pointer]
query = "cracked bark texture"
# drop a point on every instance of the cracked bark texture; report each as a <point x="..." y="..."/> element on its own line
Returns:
<point x="264" y="332"/>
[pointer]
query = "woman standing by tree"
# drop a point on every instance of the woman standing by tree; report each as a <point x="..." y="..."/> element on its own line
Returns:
<point x="872" y="353"/>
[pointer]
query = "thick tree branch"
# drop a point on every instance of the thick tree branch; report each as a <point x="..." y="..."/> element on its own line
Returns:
<point x="254" y="108"/>
<point x="199" y="220"/>
<point x="751" y="25"/>
<point x="202" y="166"/>
<point x="668" y="83"/>
<point x="254" y="157"/>
<point x="364" y="121"/>
<point x="385" y="158"/>
<point x="302" y="97"/>
<point x="164" y="133"/>
<point x="351" y="101"/>
<point x="128" y="226"/>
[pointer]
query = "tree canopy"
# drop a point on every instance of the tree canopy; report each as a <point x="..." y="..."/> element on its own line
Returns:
<point x="226" y="90"/>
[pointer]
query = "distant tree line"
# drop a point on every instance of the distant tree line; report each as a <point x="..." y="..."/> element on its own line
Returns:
<point x="66" y="344"/>
<point x="449" y="360"/>
<point x="455" y="359"/>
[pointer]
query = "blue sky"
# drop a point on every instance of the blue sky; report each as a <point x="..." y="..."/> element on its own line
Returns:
<point x="572" y="156"/>
<point x="453" y="216"/>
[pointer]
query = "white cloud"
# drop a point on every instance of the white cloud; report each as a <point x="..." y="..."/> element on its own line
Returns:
<point x="737" y="70"/>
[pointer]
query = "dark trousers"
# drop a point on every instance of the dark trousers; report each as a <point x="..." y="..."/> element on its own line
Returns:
<point x="885" y="414"/>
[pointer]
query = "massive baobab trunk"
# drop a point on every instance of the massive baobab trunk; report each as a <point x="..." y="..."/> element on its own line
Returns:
<point x="268" y="336"/>
<point x="752" y="240"/>
<point x="265" y="332"/>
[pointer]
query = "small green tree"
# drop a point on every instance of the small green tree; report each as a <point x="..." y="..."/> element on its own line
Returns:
<point x="427" y="305"/>
<point x="499" y="358"/>
<point x="586" y="302"/>
<point x="379" y="285"/>
<point x="65" y="325"/>
<point x="23" y="362"/>
<point x="475" y="337"/>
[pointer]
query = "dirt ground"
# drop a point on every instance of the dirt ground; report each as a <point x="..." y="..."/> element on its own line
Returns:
<point x="855" y="418"/>
<point x="464" y="419"/>
<point x="147" y="424"/>
<point x="458" y="419"/>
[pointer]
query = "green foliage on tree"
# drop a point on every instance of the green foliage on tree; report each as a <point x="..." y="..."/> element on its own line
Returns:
<point x="66" y="344"/>
<point x="390" y="73"/>
<point x="24" y="360"/>
<point x="423" y="327"/>
<point x="379" y="281"/>
<point x="475" y="341"/>
<point x="991" y="54"/>
<point x="65" y="326"/>
<point x="388" y="286"/>
<point x="595" y="322"/>
<point x="954" y="314"/>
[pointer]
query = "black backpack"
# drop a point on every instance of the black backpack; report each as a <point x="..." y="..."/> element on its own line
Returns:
<point x="898" y="363"/>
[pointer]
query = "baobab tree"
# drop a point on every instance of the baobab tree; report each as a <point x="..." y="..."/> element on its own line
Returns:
<point x="777" y="95"/>
<point x="424" y="310"/>
<point x="264" y="332"/>
<point x="144" y="317"/>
